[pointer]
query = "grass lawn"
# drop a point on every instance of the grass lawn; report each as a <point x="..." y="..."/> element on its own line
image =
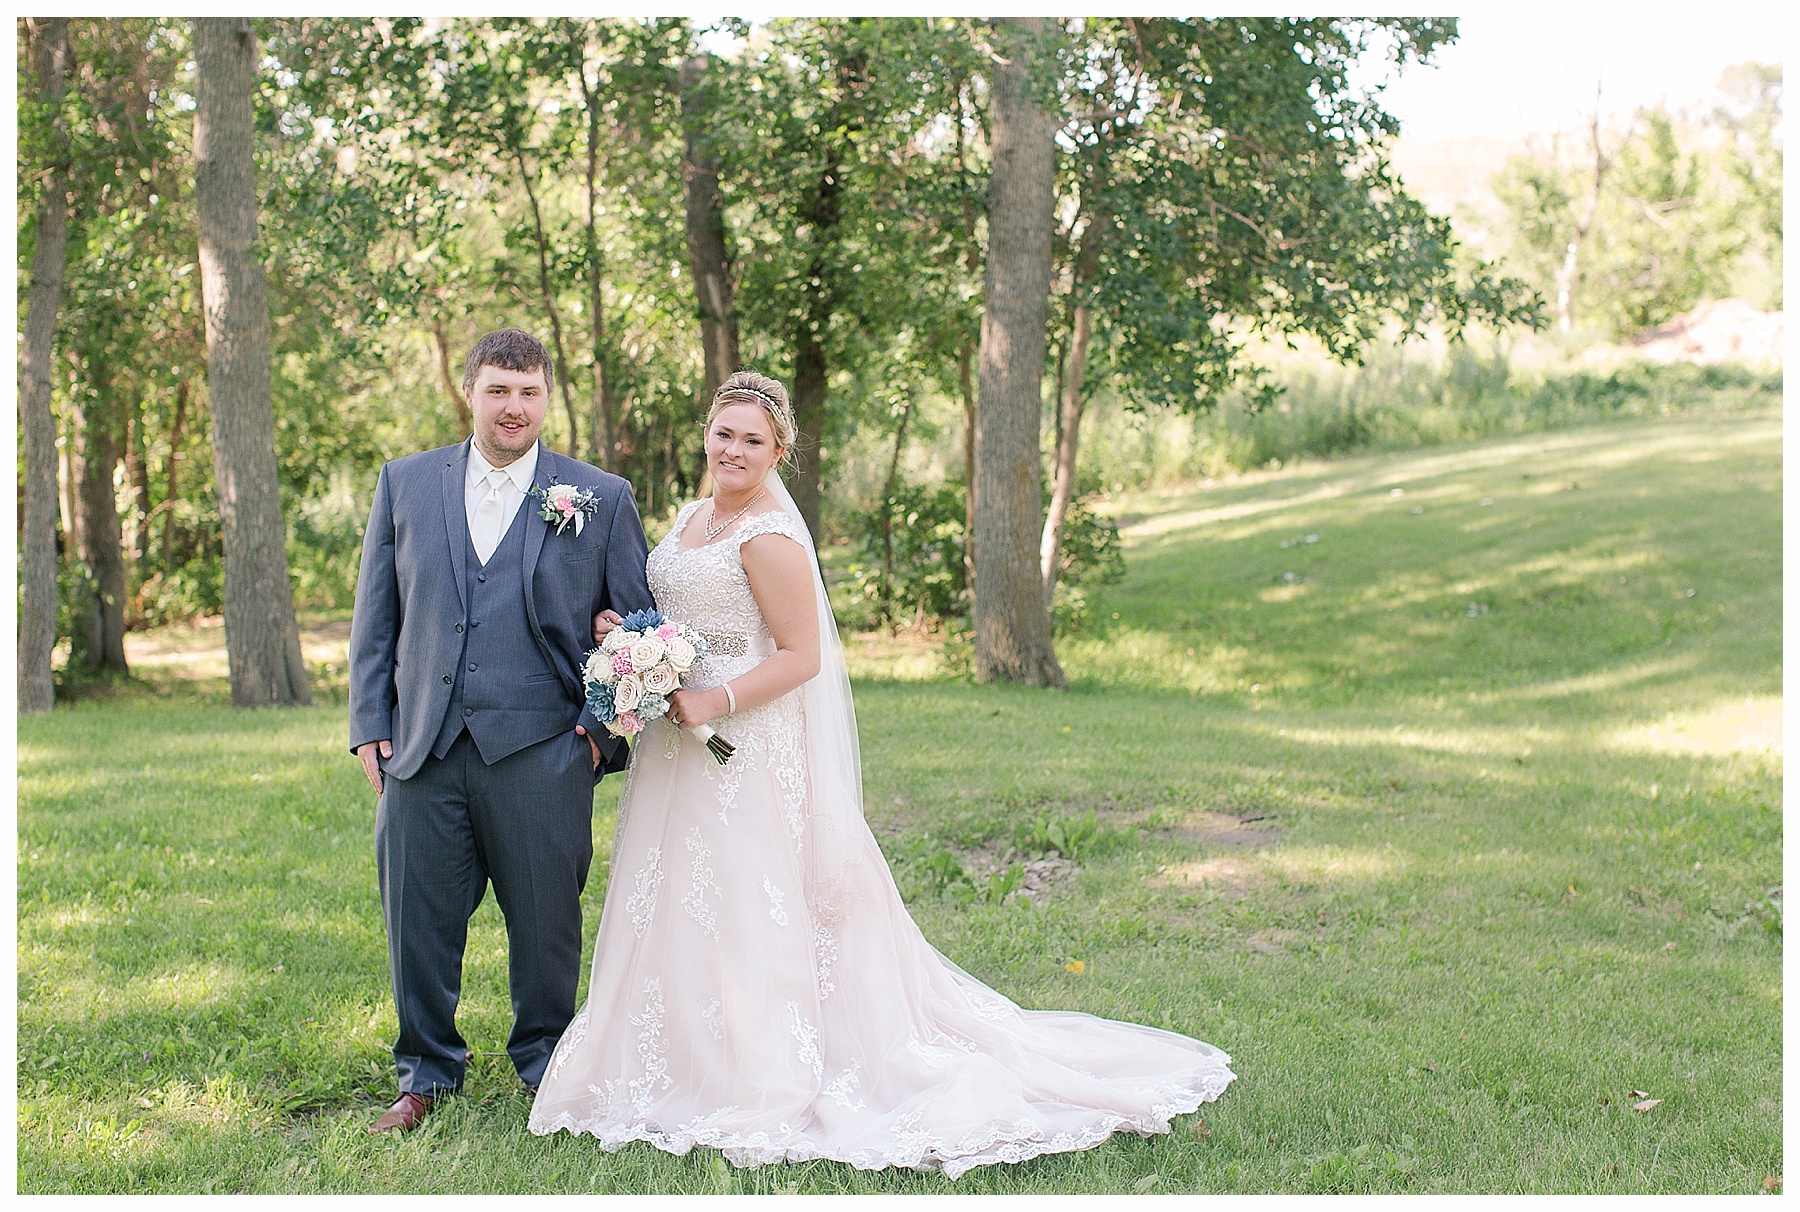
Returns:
<point x="1442" y="790"/>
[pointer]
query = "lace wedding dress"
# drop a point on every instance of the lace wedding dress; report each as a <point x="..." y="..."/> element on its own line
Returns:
<point x="758" y="986"/>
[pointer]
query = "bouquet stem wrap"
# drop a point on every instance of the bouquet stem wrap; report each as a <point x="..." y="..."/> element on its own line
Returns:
<point x="718" y="746"/>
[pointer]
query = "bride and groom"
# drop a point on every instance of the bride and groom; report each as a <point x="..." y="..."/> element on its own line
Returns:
<point x="757" y="985"/>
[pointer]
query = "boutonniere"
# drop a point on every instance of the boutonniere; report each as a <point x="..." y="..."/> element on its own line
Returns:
<point x="561" y="504"/>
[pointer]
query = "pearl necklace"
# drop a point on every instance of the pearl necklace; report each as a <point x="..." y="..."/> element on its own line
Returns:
<point x="713" y="532"/>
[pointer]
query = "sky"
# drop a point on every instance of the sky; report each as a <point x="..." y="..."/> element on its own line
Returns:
<point x="1530" y="70"/>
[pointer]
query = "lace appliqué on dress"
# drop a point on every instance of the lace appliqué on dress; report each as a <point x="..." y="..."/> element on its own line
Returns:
<point x="641" y="904"/>
<point x="808" y="1035"/>
<point x="652" y="1048"/>
<point x="776" y="896"/>
<point x="701" y="876"/>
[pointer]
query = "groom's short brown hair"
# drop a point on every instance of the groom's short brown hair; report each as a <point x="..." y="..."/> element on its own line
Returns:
<point x="509" y="349"/>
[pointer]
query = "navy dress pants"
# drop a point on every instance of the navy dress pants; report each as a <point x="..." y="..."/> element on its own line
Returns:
<point x="524" y="823"/>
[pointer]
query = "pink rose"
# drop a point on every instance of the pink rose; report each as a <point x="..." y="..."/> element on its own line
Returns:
<point x="666" y="632"/>
<point x="621" y="661"/>
<point x="629" y="723"/>
<point x="567" y="506"/>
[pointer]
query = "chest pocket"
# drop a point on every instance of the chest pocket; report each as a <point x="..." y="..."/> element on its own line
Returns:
<point x="582" y="557"/>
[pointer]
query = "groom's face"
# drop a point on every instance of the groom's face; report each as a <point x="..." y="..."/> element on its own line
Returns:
<point x="509" y="410"/>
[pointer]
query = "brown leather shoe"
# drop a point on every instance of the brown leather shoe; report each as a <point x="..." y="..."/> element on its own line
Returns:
<point x="407" y="1113"/>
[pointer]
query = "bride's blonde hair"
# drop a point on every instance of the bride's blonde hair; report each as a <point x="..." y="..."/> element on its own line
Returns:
<point x="749" y="387"/>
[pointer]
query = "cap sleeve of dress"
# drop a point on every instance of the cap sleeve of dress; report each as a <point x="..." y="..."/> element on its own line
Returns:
<point x="774" y="521"/>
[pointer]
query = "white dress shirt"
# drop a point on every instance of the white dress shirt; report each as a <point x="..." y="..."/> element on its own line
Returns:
<point x="506" y="485"/>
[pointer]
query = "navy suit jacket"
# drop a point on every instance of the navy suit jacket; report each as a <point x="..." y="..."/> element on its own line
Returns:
<point x="407" y="632"/>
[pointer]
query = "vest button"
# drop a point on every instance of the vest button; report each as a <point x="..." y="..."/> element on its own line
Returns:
<point x="481" y="576"/>
<point x="446" y="679"/>
<point x="459" y="629"/>
<point x="471" y="667"/>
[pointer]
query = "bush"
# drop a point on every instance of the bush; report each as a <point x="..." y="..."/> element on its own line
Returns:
<point x="922" y="575"/>
<point x="909" y="555"/>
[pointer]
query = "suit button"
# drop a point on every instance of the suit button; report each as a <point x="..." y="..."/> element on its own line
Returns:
<point x="459" y="629"/>
<point x="446" y="679"/>
<point x="468" y="711"/>
<point x="471" y="667"/>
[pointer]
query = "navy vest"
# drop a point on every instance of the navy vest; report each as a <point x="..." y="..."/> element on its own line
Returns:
<point x="506" y="694"/>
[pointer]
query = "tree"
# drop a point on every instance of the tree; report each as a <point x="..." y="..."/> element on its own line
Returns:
<point x="1567" y="272"/>
<point x="262" y="638"/>
<point x="1669" y="212"/>
<point x="1012" y="623"/>
<point x="709" y="256"/>
<point x="49" y="43"/>
<point x="1225" y="176"/>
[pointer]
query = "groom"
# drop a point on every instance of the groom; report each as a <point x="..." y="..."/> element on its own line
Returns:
<point x="467" y="710"/>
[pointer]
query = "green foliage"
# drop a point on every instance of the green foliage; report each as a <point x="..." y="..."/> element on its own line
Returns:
<point x="909" y="555"/>
<point x="1073" y="837"/>
<point x="1092" y="558"/>
<point x="908" y="561"/>
<point x="1268" y="202"/>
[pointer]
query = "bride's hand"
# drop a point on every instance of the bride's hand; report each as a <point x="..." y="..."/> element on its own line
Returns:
<point x="688" y="708"/>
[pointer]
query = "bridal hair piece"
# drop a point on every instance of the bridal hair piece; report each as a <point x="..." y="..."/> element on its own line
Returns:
<point x="749" y="387"/>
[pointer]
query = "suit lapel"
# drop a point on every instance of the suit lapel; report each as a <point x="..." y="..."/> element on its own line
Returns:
<point x="535" y="530"/>
<point x="535" y="527"/>
<point x="456" y="519"/>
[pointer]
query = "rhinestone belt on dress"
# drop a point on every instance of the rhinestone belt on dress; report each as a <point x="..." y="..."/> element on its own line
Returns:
<point x="721" y="643"/>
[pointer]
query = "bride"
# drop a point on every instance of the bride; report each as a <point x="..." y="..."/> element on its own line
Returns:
<point x="758" y="986"/>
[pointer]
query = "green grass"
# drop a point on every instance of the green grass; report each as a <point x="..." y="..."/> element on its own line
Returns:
<point x="1510" y="866"/>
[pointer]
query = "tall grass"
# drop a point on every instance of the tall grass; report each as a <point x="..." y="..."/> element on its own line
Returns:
<point x="1402" y="400"/>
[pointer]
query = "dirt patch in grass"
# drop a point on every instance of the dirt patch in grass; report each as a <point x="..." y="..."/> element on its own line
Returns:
<point x="1236" y="875"/>
<point x="1227" y="831"/>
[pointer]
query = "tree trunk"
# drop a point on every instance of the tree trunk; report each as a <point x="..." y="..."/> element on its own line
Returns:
<point x="549" y="298"/>
<point x="465" y="420"/>
<point x="1071" y="405"/>
<point x="965" y="358"/>
<point x="604" y="440"/>
<point x="137" y="477"/>
<point x="822" y="215"/>
<point x="965" y="353"/>
<point x="97" y="458"/>
<point x="708" y="257"/>
<point x="809" y="420"/>
<point x="37" y="537"/>
<point x="887" y="513"/>
<point x="1013" y="640"/>
<point x="262" y="638"/>
<point x="172" y="494"/>
<point x="1568" y="272"/>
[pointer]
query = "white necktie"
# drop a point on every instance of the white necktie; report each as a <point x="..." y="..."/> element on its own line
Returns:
<point x="484" y="530"/>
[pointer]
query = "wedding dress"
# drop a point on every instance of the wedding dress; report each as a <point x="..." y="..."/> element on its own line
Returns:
<point x="758" y="986"/>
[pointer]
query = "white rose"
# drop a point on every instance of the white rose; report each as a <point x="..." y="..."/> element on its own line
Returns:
<point x="646" y="652"/>
<point x="627" y="693"/>
<point x="661" y="679"/>
<point x="681" y="654"/>
<point x="598" y="667"/>
<point x="560" y="492"/>
<point x="616" y="639"/>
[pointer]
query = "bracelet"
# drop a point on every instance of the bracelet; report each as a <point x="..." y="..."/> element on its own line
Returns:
<point x="730" y="700"/>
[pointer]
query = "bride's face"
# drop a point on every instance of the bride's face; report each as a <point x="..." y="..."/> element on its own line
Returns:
<point x="740" y="447"/>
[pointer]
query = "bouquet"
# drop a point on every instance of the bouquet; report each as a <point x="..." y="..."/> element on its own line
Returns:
<point x="641" y="662"/>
